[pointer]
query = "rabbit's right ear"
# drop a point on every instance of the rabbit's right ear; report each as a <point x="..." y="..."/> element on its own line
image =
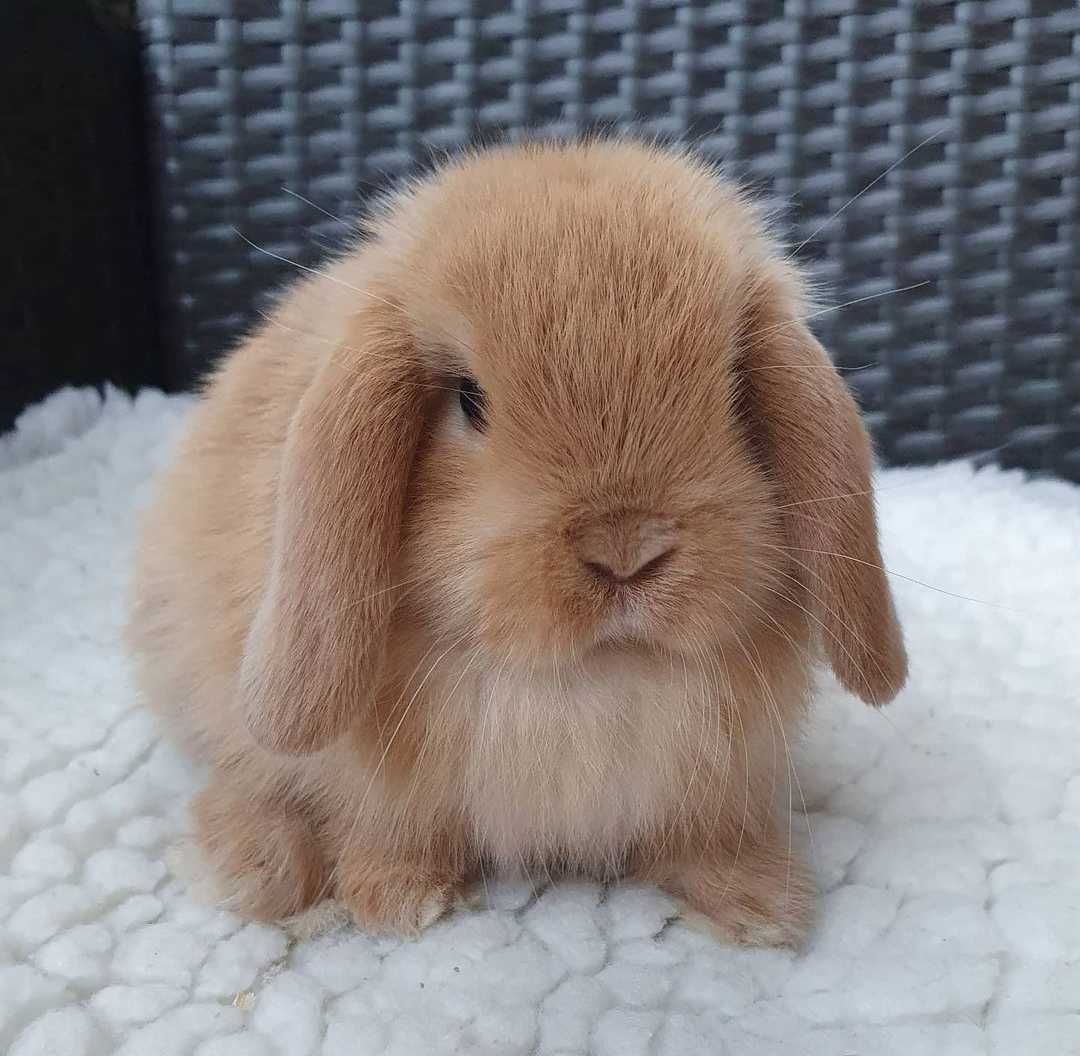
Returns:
<point x="316" y="645"/>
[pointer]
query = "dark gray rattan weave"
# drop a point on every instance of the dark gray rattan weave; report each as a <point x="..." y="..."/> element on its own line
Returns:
<point x="809" y="99"/>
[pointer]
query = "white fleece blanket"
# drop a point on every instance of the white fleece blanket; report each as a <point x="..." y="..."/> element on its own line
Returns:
<point x="946" y="831"/>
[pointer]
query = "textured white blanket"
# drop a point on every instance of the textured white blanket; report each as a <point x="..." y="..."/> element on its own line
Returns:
<point x="946" y="831"/>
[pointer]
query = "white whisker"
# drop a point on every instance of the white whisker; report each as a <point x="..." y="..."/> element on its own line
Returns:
<point x="319" y="208"/>
<point x="836" y="308"/>
<point x="320" y="272"/>
<point x="873" y="183"/>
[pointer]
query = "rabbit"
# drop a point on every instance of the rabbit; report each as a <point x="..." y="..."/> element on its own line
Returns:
<point x="508" y="543"/>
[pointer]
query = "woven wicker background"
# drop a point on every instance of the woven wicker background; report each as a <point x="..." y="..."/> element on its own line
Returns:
<point x="811" y="100"/>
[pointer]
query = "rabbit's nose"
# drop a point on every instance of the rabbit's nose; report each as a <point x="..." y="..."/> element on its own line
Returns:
<point x="625" y="546"/>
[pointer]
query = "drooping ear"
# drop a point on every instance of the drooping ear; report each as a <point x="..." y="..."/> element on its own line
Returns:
<point x="820" y="455"/>
<point x="316" y="644"/>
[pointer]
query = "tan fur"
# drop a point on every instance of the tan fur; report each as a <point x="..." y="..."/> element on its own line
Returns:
<point x="405" y="647"/>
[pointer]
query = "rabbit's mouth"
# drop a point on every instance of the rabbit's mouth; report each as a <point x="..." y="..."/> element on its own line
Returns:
<point x="625" y="624"/>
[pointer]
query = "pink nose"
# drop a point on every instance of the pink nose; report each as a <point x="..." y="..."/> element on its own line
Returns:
<point x="626" y="545"/>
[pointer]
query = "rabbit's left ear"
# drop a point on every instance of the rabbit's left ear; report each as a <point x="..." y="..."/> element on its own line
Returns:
<point x="819" y="453"/>
<point x="315" y="649"/>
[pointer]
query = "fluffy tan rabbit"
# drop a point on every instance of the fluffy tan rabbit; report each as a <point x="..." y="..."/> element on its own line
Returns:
<point x="506" y="544"/>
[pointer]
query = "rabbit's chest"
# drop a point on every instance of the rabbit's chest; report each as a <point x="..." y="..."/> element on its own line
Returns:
<point x="574" y="772"/>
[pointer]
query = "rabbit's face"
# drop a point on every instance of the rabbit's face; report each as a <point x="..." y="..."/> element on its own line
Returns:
<point x="590" y="480"/>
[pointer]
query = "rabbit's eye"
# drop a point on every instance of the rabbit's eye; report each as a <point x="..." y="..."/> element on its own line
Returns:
<point x="472" y="402"/>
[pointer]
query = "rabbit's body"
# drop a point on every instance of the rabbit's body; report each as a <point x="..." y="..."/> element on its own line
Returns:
<point x="566" y="630"/>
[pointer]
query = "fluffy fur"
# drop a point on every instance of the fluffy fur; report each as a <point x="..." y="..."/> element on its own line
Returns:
<point x="412" y="651"/>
